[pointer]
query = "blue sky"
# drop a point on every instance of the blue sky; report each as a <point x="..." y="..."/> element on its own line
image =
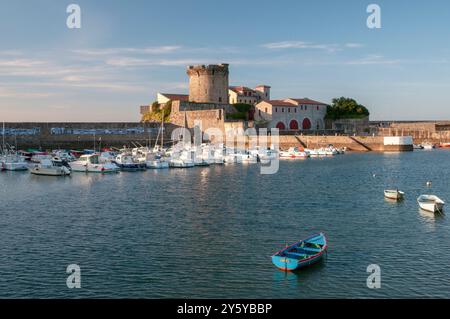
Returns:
<point x="126" y="51"/>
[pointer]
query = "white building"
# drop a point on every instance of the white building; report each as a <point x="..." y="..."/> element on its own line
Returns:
<point x="292" y="114"/>
<point x="243" y="94"/>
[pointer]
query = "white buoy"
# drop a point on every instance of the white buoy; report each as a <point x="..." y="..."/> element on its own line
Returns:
<point x="429" y="183"/>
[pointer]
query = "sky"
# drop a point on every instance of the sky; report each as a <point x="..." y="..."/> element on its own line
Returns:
<point x="127" y="51"/>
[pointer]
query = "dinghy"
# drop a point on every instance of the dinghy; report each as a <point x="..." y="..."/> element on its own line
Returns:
<point x="431" y="203"/>
<point x="301" y="254"/>
<point x="394" y="194"/>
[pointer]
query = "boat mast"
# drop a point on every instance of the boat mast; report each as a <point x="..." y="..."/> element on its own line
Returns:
<point x="3" y="138"/>
<point x="162" y="130"/>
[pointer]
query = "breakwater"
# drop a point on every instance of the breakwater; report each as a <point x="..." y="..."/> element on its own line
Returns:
<point x="82" y="135"/>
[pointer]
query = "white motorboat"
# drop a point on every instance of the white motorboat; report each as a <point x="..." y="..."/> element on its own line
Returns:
<point x="232" y="157"/>
<point x="182" y="159"/>
<point x="90" y="164"/>
<point x="156" y="161"/>
<point x="48" y="168"/>
<point x="63" y="155"/>
<point x="248" y="157"/>
<point x="428" y="146"/>
<point x="13" y="162"/>
<point x="37" y="157"/>
<point x="394" y="194"/>
<point x="431" y="203"/>
<point x="127" y="162"/>
<point x="418" y="147"/>
<point x="293" y="153"/>
<point x="107" y="157"/>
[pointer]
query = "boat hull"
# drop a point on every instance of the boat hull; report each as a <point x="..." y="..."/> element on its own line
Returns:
<point x="49" y="171"/>
<point x="301" y="254"/>
<point x="157" y="164"/>
<point x="290" y="264"/>
<point x="395" y="195"/>
<point x="15" y="166"/>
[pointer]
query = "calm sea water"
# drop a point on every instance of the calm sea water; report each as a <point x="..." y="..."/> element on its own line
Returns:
<point x="209" y="232"/>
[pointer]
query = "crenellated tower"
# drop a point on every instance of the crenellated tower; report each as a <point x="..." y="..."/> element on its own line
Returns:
<point x="208" y="83"/>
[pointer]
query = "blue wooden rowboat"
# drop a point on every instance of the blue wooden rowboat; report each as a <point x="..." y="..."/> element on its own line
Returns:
<point x="301" y="254"/>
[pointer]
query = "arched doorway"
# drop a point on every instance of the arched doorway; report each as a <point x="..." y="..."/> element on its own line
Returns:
<point x="293" y="125"/>
<point x="281" y="126"/>
<point x="306" y="124"/>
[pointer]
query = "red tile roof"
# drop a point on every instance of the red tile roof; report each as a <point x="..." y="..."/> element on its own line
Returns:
<point x="280" y="103"/>
<point x="241" y="89"/>
<point x="306" y="101"/>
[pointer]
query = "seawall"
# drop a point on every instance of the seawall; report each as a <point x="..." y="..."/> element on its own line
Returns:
<point x="83" y="135"/>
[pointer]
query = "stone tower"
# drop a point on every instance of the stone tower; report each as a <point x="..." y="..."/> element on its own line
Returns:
<point x="208" y="83"/>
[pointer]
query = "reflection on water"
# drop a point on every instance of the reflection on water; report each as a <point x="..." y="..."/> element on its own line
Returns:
<point x="209" y="232"/>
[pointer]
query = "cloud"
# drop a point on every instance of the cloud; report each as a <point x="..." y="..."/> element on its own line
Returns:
<point x="134" y="62"/>
<point x="20" y="94"/>
<point x="116" y="51"/>
<point x="309" y="45"/>
<point x="301" y="45"/>
<point x="354" y="45"/>
<point x="24" y="63"/>
<point x="373" y="60"/>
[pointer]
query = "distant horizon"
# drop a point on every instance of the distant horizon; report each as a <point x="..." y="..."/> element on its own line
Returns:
<point x="125" y="53"/>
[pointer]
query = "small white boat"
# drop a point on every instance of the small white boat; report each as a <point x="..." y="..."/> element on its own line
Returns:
<point x="428" y="146"/>
<point x="292" y="153"/>
<point x="156" y="161"/>
<point x="13" y="162"/>
<point x="431" y="203"/>
<point x="90" y="164"/>
<point x="418" y="147"/>
<point x="48" y="168"/>
<point x="394" y="194"/>
<point x="182" y="159"/>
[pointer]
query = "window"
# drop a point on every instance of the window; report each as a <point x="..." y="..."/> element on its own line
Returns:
<point x="265" y="110"/>
<point x="295" y="110"/>
<point x="289" y="110"/>
<point x="220" y="99"/>
<point x="259" y="111"/>
<point x="317" y="107"/>
<point x="282" y="110"/>
<point x="276" y="110"/>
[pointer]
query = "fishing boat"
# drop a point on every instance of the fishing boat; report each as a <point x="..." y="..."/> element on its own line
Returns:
<point x="48" y="168"/>
<point x="90" y="164"/>
<point x="301" y="254"/>
<point x="394" y="194"/>
<point x="126" y="162"/>
<point x="431" y="203"/>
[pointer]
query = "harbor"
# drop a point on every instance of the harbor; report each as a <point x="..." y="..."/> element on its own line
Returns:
<point x="116" y="226"/>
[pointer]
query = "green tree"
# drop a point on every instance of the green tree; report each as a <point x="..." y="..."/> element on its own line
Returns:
<point x="157" y="112"/>
<point x="346" y="108"/>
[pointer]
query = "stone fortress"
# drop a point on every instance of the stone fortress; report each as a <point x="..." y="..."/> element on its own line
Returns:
<point x="211" y="99"/>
